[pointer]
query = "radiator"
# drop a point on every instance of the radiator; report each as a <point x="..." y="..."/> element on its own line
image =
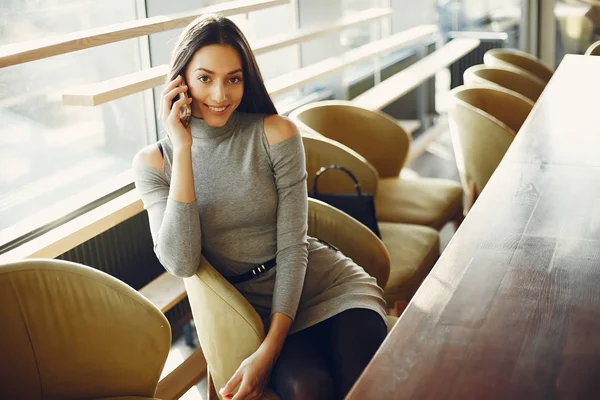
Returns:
<point x="408" y="106"/>
<point x="488" y="41"/>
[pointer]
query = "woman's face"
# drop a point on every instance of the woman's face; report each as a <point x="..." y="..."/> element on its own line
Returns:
<point x="215" y="83"/>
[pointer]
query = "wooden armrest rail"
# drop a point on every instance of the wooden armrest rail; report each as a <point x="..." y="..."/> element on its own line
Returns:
<point x="404" y="81"/>
<point x="101" y="92"/>
<point x="332" y="65"/>
<point x="165" y="291"/>
<point x="17" y="53"/>
<point x="182" y="378"/>
<point x="410" y="125"/>
<point x="306" y="34"/>
<point x="79" y="230"/>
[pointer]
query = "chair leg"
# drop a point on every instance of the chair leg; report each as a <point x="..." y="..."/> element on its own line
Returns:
<point x="458" y="219"/>
<point x="212" y="392"/>
<point x="400" y="306"/>
<point x="472" y="196"/>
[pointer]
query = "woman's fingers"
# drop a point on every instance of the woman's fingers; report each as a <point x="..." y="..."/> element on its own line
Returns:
<point x="168" y="87"/>
<point x="254" y="395"/>
<point x="175" y="113"/>
<point x="175" y="82"/>
<point x="232" y="384"/>
<point x="243" y="393"/>
<point x="165" y="106"/>
<point x="175" y="91"/>
<point x="167" y="99"/>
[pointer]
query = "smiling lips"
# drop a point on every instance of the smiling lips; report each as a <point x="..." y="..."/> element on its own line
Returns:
<point x="217" y="109"/>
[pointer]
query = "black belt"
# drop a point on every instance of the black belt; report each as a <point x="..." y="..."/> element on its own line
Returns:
<point x="254" y="272"/>
<point x="261" y="269"/>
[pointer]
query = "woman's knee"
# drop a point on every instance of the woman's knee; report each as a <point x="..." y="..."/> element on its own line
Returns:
<point x="315" y="386"/>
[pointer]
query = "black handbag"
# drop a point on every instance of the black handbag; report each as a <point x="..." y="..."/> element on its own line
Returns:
<point x="361" y="206"/>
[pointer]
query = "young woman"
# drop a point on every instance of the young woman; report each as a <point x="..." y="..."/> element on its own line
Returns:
<point x="231" y="186"/>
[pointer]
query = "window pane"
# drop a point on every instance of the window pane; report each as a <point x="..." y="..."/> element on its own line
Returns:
<point x="267" y="24"/>
<point x="52" y="152"/>
<point x="475" y="15"/>
<point x="577" y="25"/>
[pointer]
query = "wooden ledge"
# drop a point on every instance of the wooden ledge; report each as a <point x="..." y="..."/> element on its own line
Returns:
<point x="165" y="291"/>
<point x="332" y="65"/>
<point x="112" y="89"/>
<point x="182" y="378"/>
<point x="306" y="34"/>
<point x="404" y="81"/>
<point x="99" y="93"/>
<point x="78" y="230"/>
<point x="17" y="53"/>
<point x="409" y="125"/>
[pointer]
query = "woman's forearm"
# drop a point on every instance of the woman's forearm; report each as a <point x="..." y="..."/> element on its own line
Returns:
<point x="182" y="177"/>
<point x="179" y="242"/>
<point x="278" y="330"/>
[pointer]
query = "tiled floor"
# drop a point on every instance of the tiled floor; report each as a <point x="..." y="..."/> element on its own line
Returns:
<point x="438" y="162"/>
<point x="179" y="352"/>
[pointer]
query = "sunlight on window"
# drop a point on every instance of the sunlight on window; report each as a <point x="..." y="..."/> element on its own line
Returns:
<point x="63" y="150"/>
<point x="15" y="168"/>
<point x="59" y="181"/>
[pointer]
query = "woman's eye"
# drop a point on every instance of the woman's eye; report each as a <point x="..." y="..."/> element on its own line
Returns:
<point x="235" y="79"/>
<point x="204" y="78"/>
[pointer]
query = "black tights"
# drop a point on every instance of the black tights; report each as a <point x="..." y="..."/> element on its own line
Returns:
<point x="324" y="361"/>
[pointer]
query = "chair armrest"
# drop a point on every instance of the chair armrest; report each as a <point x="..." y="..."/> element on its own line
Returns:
<point x="350" y="236"/>
<point x="229" y="329"/>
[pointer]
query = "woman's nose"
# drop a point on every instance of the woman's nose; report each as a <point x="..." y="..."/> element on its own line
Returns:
<point x="219" y="93"/>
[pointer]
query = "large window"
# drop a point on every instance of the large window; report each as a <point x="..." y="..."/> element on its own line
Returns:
<point x="577" y="27"/>
<point x="362" y="35"/>
<point x="52" y="154"/>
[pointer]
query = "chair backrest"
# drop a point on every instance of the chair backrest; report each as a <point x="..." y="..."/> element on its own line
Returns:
<point x="506" y="106"/>
<point x="229" y="329"/>
<point x="576" y="33"/>
<point x="594" y="49"/>
<point x="71" y="331"/>
<point x="379" y="139"/>
<point x="350" y="236"/>
<point x="321" y="152"/>
<point x="520" y="81"/>
<point x="481" y="134"/>
<point x="517" y="59"/>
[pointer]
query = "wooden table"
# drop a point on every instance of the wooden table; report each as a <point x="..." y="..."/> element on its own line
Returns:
<point x="512" y="308"/>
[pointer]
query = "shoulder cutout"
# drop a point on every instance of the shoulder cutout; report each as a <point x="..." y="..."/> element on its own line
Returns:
<point x="278" y="129"/>
<point x="149" y="156"/>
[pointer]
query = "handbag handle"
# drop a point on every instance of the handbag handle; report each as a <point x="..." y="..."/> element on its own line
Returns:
<point x="350" y="174"/>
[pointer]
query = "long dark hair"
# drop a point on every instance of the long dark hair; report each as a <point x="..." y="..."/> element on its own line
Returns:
<point x="215" y="29"/>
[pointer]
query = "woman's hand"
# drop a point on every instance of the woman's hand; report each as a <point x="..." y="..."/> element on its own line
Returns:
<point x="170" y="117"/>
<point x="252" y="376"/>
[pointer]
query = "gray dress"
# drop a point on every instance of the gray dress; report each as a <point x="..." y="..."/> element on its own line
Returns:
<point x="251" y="206"/>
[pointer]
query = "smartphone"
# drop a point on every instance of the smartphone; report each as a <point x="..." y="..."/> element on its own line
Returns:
<point x="186" y="112"/>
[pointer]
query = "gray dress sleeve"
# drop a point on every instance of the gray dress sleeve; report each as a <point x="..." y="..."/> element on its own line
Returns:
<point x="175" y="226"/>
<point x="289" y="170"/>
